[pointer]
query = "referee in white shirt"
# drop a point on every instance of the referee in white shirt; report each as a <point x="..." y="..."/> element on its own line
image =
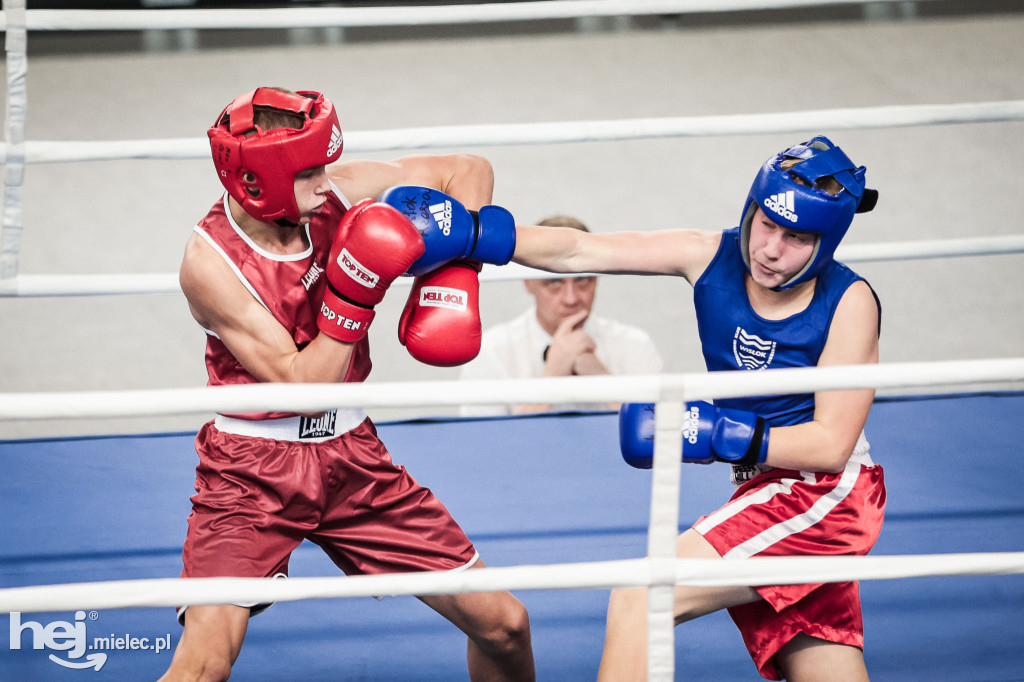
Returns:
<point x="558" y="336"/>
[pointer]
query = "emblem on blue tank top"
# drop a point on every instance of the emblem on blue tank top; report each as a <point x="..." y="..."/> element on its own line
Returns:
<point x="751" y="351"/>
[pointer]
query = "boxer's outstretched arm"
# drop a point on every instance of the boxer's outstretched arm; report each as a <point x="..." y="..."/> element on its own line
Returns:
<point x="467" y="177"/>
<point x="684" y="253"/>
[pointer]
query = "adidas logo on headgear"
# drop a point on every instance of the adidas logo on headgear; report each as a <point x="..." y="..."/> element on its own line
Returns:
<point x="335" y="143"/>
<point x="782" y="204"/>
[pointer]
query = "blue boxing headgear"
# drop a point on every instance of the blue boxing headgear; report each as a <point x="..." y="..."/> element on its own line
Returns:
<point x="807" y="207"/>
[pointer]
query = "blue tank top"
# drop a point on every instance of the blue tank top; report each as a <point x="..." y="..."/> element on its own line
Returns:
<point x="734" y="337"/>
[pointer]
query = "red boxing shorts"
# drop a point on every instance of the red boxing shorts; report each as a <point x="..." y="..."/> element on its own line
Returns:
<point x="783" y="512"/>
<point x="258" y="498"/>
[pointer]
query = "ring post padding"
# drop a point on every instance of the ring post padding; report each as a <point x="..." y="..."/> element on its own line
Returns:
<point x="15" y="46"/>
<point x="661" y="538"/>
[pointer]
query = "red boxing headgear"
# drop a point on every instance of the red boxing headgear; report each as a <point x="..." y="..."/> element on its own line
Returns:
<point x="258" y="167"/>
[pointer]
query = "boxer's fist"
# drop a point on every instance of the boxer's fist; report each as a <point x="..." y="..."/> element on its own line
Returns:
<point x="709" y="434"/>
<point x="440" y="324"/>
<point x="450" y="231"/>
<point x="374" y="244"/>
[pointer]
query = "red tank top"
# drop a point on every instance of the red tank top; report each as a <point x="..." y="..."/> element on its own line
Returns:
<point x="290" y="287"/>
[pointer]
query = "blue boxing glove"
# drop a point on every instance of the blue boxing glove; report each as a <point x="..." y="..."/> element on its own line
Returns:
<point x="450" y="231"/>
<point x="709" y="434"/>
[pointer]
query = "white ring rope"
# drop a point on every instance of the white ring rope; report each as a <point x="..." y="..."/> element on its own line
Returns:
<point x="596" y="389"/>
<point x="515" y="134"/>
<point x="167" y="283"/>
<point x="170" y="592"/>
<point x="352" y="17"/>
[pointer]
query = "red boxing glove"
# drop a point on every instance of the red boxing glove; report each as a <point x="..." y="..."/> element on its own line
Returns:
<point x="440" y="324"/>
<point x="374" y="245"/>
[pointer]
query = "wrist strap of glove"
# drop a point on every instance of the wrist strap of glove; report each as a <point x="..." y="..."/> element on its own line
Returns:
<point x="756" y="452"/>
<point x="342" y="319"/>
<point x="476" y="229"/>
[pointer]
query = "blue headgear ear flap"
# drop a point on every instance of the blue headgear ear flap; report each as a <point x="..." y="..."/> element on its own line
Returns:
<point x="793" y="199"/>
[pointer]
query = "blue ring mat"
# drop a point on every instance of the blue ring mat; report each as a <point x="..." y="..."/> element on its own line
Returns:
<point x="539" y="490"/>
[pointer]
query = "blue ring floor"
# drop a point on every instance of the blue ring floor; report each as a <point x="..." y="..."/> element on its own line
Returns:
<point x="537" y="490"/>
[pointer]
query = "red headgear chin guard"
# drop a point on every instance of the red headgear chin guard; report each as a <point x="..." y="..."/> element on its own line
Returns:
<point x="258" y="167"/>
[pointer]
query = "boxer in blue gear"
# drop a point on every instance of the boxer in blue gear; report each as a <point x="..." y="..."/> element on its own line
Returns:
<point x="768" y="294"/>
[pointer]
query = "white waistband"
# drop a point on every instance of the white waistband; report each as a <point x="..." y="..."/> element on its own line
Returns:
<point x="329" y="425"/>
<point x="862" y="452"/>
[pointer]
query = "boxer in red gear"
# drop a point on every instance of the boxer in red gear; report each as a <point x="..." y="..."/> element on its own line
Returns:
<point x="255" y="274"/>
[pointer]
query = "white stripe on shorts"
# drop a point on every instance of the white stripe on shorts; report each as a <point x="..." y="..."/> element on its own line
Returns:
<point x="766" y="493"/>
<point x="783" y="529"/>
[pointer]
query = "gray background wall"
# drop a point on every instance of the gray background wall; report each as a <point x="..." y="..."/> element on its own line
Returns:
<point x="134" y="216"/>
